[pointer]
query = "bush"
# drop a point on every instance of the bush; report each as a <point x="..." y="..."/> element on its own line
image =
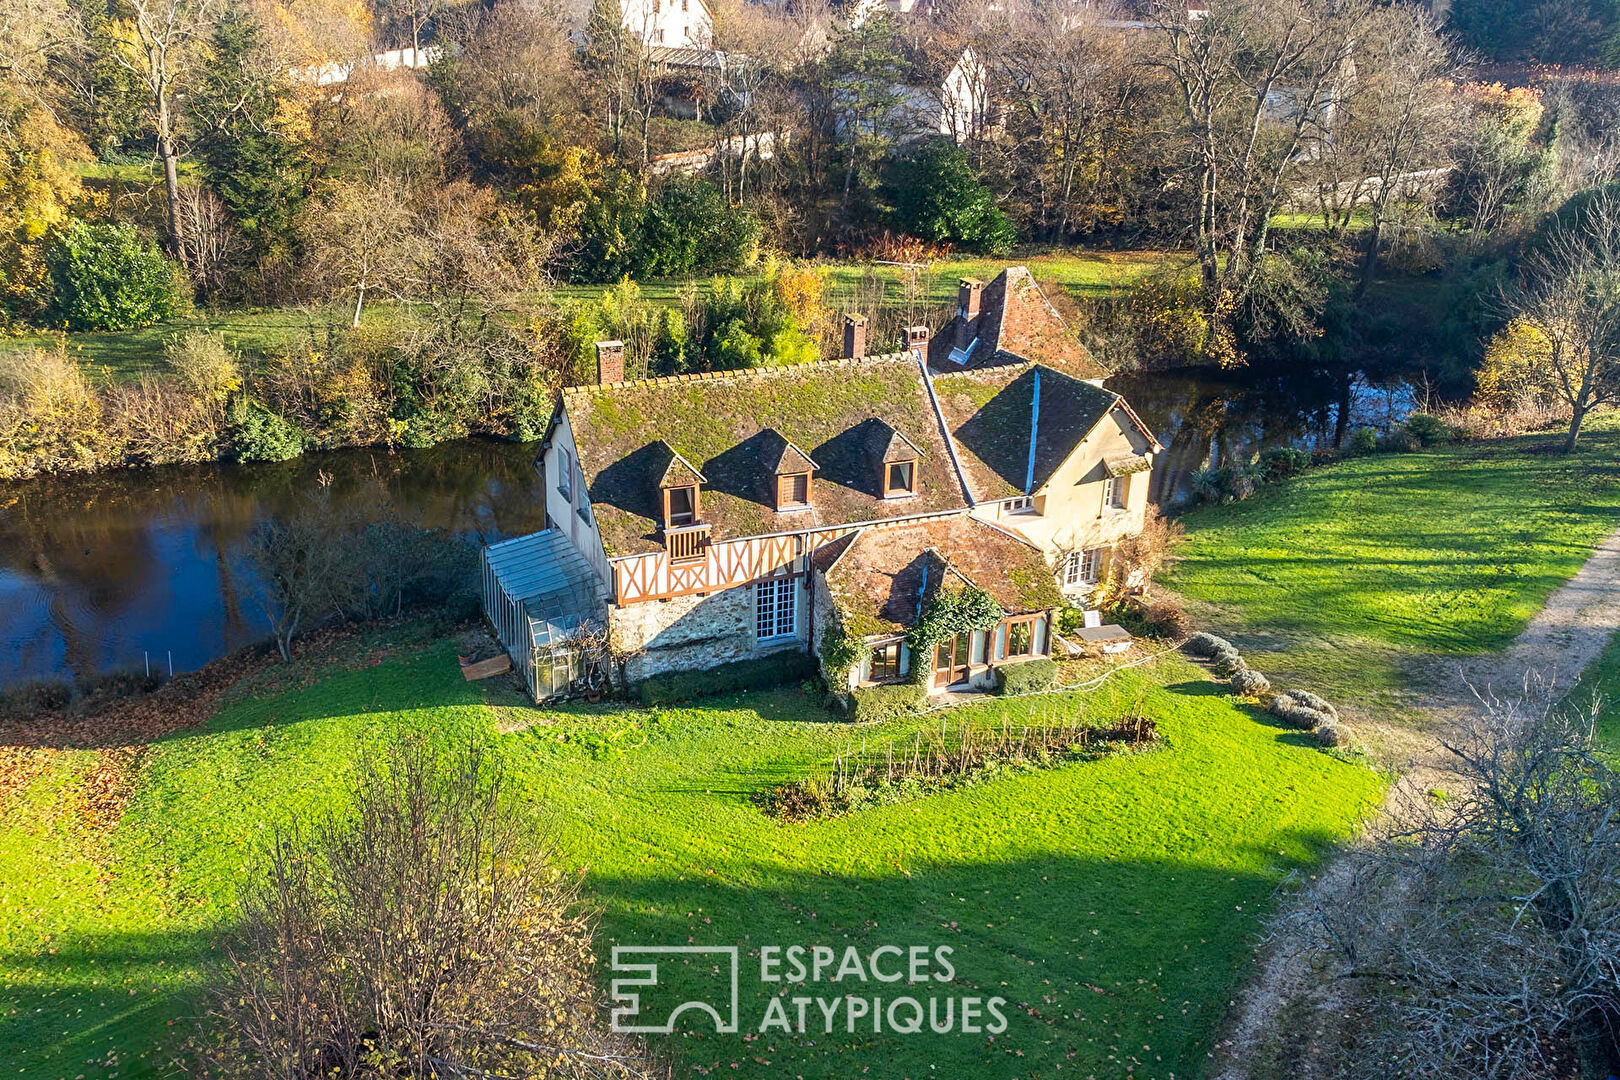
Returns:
<point x="204" y="364"/>
<point x="874" y="704"/>
<point x="688" y="229"/>
<point x="1303" y="709"/>
<point x="1312" y="701"/>
<point x="1227" y="663"/>
<point x="1227" y="483"/>
<point x="257" y="434"/>
<point x="109" y="277"/>
<point x="1363" y="441"/>
<point x="756" y="674"/>
<point x="1428" y="430"/>
<point x="1205" y="646"/>
<point x="1282" y="463"/>
<point x="32" y="698"/>
<point x="938" y="197"/>
<point x="1250" y="683"/>
<point x="1030" y="677"/>
<point x="1332" y="733"/>
<point x="1398" y="441"/>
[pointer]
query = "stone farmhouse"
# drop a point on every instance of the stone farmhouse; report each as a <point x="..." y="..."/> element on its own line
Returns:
<point x="704" y="519"/>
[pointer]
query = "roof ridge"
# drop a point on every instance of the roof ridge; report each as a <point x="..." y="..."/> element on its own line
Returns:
<point x="731" y="374"/>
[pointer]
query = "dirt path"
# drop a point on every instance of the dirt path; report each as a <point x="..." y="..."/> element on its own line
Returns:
<point x="1283" y="1023"/>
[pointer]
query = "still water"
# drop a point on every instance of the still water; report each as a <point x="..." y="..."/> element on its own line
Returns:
<point x="100" y="573"/>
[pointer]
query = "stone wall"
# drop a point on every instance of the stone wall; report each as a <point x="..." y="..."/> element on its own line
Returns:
<point x="689" y="633"/>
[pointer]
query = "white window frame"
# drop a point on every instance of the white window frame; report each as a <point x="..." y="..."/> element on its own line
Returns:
<point x="776" y="609"/>
<point x="1116" y="492"/>
<point x="1023" y="504"/>
<point x="565" y="473"/>
<point x="1083" y="569"/>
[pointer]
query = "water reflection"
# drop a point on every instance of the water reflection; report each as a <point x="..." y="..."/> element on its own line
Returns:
<point x="95" y="571"/>
<point x="1218" y="418"/>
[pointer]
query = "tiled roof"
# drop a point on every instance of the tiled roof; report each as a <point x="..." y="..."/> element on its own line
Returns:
<point x="731" y="427"/>
<point x="989" y="412"/>
<point x="880" y="582"/>
<point x="1015" y="322"/>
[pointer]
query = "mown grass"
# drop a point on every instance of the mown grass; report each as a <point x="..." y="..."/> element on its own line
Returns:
<point x="129" y="354"/>
<point x="1113" y="903"/>
<point x="1599" y="686"/>
<point x="1356" y="579"/>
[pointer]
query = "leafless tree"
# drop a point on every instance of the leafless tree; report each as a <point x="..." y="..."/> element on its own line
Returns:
<point x="167" y="33"/>
<point x="1568" y="293"/>
<point x="1383" y="147"/>
<point x="1250" y="80"/>
<point x="209" y="235"/>
<point x="1486" y="925"/>
<point x="363" y="239"/>
<point x="425" y="933"/>
<point x="301" y="561"/>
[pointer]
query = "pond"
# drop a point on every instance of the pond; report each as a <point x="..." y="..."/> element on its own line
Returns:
<point x="113" y="571"/>
<point x="1216" y="418"/>
<point x="106" y="572"/>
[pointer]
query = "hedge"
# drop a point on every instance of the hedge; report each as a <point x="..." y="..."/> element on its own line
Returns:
<point x="757" y="674"/>
<point x="1030" y="677"/>
<point x="872" y="704"/>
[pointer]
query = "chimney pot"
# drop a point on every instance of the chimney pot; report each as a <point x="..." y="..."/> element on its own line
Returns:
<point x="854" y="337"/>
<point x="609" y="362"/>
<point x="917" y="340"/>
<point x="969" y="293"/>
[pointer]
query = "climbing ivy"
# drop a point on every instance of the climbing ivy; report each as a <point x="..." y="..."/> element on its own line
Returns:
<point x="840" y="653"/>
<point x="953" y="612"/>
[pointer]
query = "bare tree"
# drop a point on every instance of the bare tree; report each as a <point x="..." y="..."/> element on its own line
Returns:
<point x="167" y="33"/>
<point x="209" y="236"/>
<point x="362" y="238"/>
<point x="424" y="933"/>
<point x="301" y="560"/>
<point x="1383" y="147"/>
<point x="1251" y="78"/>
<point x="1568" y="294"/>
<point x="1487" y="925"/>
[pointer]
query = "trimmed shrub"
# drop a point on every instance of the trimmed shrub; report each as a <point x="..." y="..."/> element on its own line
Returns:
<point x="1363" y="441"/>
<point x="257" y="434"/>
<point x="1311" y="701"/>
<point x="1282" y="463"/>
<point x="756" y="674"/>
<point x="1294" y="714"/>
<point x="1225" y="484"/>
<point x="1030" y="677"/>
<point x="1399" y="441"/>
<point x="1228" y="663"/>
<point x="1205" y="646"/>
<point x="1332" y="733"/>
<point x="1250" y="683"/>
<point x="109" y="277"/>
<point x="874" y="704"/>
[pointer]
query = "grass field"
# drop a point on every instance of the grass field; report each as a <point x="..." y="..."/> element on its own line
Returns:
<point x="130" y="354"/>
<point x="1600" y="684"/>
<point x="1355" y="578"/>
<point x="1113" y="903"/>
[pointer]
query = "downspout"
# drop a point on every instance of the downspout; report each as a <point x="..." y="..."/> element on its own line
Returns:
<point x="1034" y="431"/>
<point x="945" y="430"/>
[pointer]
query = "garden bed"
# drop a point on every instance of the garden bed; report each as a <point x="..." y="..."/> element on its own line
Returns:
<point x="934" y="762"/>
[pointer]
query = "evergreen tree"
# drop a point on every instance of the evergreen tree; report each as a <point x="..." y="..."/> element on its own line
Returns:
<point x="245" y="156"/>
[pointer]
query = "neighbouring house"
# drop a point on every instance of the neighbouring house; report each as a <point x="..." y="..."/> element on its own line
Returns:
<point x="733" y="515"/>
<point x="673" y="24"/>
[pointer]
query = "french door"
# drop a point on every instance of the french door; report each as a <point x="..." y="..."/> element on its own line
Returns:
<point x="951" y="661"/>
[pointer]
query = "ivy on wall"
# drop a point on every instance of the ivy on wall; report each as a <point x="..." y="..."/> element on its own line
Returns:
<point x="839" y="654"/>
<point x="961" y="611"/>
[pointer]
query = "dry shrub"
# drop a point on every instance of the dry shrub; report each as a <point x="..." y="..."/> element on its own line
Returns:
<point x="50" y="415"/>
<point x="160" y="422"/>
<point x="1480" y="420"/>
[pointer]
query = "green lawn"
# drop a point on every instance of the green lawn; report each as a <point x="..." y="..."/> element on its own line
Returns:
<point x="1355" y="578"/>
<point x="1600" y="684"/>
<point x="1113" y="903"/>
<point x="132" y="353"/>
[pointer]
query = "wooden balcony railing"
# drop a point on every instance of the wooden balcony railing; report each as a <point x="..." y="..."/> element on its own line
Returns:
<point x="687" y="543"/>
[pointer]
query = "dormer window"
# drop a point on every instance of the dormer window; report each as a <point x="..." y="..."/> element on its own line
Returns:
<point x="900" y="479"/>
<point x="793" y="491"/>
<point x="680" y="506"/>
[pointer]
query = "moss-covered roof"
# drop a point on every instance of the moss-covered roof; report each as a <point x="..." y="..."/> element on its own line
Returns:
<point x="881" y="580"/>
<point x="732" y="427"/>
<point x="1015" y="323"/>
<point x="989" y="412"/>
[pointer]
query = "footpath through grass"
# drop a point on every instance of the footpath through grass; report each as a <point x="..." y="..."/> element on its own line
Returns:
<point x="1355" y="579"/>
<point x="129" y="354"/>
<point x="1113" y="903"/>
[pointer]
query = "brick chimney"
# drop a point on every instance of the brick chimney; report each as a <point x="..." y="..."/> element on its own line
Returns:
<point x="917" y="340"/>
<point x="969" y="292"/>
<point x="609" y="362"/>
<point x="854" y="337"/>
